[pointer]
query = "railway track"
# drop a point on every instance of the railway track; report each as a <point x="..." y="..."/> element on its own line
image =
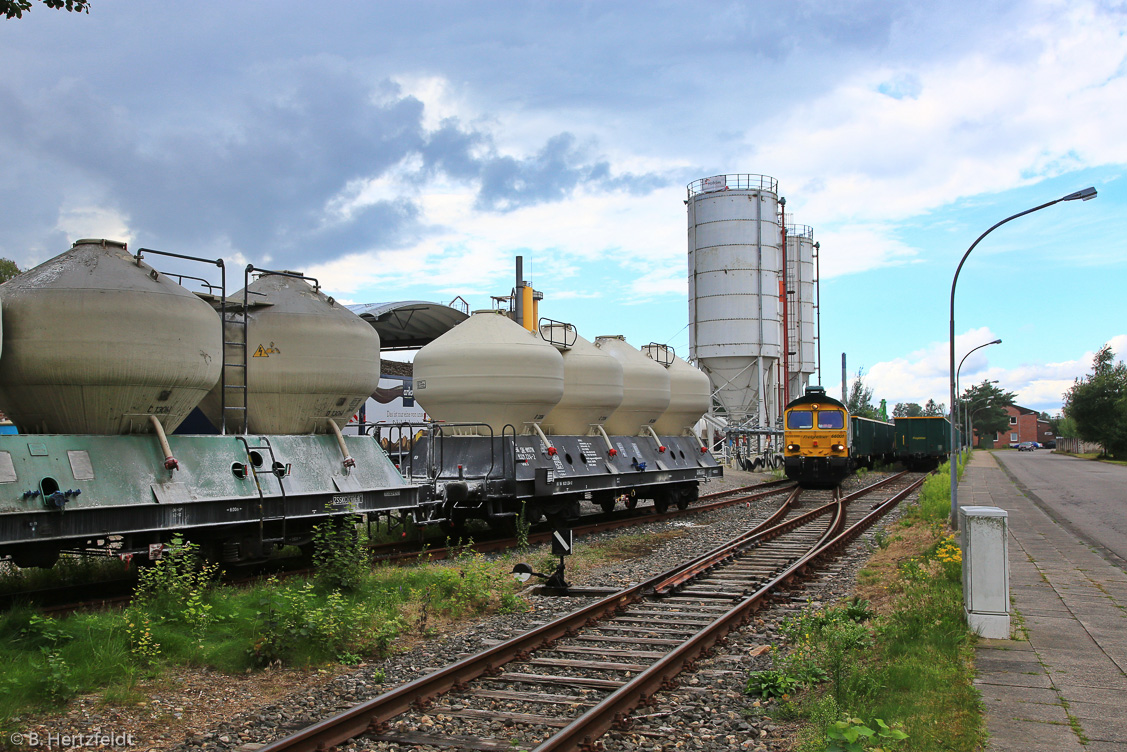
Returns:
<point x="63" y="599"/>
<point x="562" y="685"/>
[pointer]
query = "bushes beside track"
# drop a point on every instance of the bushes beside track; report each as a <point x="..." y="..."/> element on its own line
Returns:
<point x="894" y="667"/>
<point x="347" y="613"/>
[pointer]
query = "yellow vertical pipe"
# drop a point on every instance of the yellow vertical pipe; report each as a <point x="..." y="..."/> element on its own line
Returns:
<point x="530" y="317"/>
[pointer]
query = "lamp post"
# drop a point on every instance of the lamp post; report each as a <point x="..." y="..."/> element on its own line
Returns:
<point x="952" y="457"/>
<point x="958" y="391"/>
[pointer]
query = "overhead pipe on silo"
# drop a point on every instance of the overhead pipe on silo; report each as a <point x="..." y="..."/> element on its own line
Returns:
<point x="784" y="380"/>
<point x="518" y="292"/>
<point x="761" y="408"/>
<point x="818" y="305"/>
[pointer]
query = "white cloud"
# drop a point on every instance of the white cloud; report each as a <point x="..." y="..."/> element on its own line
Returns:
<point x="395" y="183"/>
<point x="924" y="374"/>
<point x="855" y="247"/>
<point x="91" y="221"/>
<point x="441" y="100"/>
<point x="985" y="123"/>
<point x="469" y="248"/>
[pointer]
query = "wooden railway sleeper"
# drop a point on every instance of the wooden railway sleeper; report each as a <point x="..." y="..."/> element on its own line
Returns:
<point x="666" y="681"/>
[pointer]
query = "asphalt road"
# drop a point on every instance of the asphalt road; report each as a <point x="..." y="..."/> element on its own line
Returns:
<point x="1088" y="497"/>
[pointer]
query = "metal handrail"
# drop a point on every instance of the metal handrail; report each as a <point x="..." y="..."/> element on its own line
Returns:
<point x="735" y="182"/>
<point x="659" y="353"/>
<point x="550" y="337"/>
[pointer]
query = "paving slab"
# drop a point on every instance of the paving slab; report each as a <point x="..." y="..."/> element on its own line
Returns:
<point x="1110" y="711"/>
<point x="1032" y="711"/>
<point x="1001" y="693"/>
<point x="1064" y="677"/>
<point x="1011" y="679"/>
<point x="1010" y="735"/>
<point x="1104" y="731"/>
<point x="1103" y="747"/>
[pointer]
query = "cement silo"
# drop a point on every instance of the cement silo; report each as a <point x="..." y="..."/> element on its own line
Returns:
<point x="802" y="332"/>
<point x="735" y="270"/>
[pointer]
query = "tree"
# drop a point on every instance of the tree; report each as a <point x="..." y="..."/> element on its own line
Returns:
<point x="1055" y="422"/>
<point x="985" y="405"/>
<point x="932" y="408"/>
<point x="8" y="269"/>
<point x="1098" y="404"/>
<point x="860" y="400"/>
<point x="907" y="410"/>
<point x="16" y="8"/>
<point x="1063" y="425"/>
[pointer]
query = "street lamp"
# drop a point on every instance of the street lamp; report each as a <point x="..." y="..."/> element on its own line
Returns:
<point x="958" y="391"/>
<point x="968" y="415"/>
<point x="1084" y="195"/>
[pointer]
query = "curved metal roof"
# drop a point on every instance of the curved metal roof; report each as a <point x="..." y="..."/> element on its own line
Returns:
<point x="409" y="324"/>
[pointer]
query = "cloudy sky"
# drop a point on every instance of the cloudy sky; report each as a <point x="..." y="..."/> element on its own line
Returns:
<point x="410" y="150"/>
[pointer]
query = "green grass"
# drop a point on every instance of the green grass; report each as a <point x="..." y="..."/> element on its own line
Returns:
<point x="180" y="618"/>
<point x="910" y="665"/>
<point x="934" y="503"/>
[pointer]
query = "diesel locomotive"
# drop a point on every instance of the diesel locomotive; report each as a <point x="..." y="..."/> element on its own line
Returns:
<point x="823" y="443"/>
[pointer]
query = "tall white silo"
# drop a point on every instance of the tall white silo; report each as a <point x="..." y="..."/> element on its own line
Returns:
<point x="801" y="295"/>
<point x="735" y="317"/>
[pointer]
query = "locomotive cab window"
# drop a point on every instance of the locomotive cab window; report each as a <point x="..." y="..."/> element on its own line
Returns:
<point x="831" y="419"/>
<point x="799" y="419"/>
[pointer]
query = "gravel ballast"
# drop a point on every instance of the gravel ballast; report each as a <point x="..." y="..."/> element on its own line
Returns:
<point x="707" y="711"/>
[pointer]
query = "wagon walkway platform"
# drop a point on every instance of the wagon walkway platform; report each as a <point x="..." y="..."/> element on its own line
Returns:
<point x="1061" y="683"/>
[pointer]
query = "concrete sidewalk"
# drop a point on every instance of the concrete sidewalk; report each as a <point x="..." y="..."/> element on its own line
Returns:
<point x="1062" y="680"/>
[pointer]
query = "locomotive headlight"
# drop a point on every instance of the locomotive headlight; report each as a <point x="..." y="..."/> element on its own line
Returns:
<point x="838" y="447"/>
<point x="793" y="447"/>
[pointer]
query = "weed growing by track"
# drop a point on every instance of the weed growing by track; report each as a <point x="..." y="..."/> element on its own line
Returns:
<point x="345" y="613"/>
<point x="900" y="655"/>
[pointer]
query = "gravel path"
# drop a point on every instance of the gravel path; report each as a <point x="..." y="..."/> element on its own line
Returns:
<point x="707" y="712"/>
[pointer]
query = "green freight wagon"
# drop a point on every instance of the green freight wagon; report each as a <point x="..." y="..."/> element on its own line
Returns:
<point x="873" y="441"/>
<point x="923" y="443"/>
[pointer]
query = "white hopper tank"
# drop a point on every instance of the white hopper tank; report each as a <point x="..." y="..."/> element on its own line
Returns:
<point x="645" y="388"/>
<point x="689" y="392"/>
<point x="309" y="359"/>
<point x="592" y="383"/>
<point x="95" y="342"/>
<point x="490" y="370"/>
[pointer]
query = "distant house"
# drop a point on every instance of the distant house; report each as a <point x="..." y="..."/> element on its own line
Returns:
<point x="1025" y="425"/>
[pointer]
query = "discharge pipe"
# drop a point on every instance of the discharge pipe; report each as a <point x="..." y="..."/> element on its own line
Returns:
<point x="170" y="462"/>
<point x="348" y="461"/>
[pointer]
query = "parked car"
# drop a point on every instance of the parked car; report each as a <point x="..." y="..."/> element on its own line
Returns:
<point x="1027" y="446"/>
<point x="1051" y="444"/>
